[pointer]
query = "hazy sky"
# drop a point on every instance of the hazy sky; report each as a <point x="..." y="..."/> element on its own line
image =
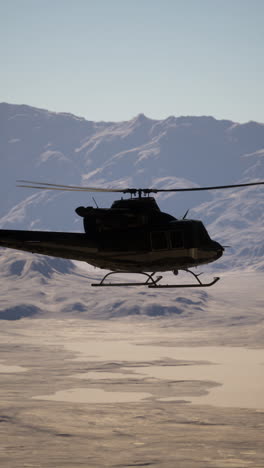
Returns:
<point x="113" y="59"/>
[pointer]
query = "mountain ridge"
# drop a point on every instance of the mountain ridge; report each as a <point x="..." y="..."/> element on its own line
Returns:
<point x="142" y="152"/>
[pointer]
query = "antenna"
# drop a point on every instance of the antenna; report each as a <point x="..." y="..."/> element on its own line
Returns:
<point x="186" y="214"/>
<point x="95" y="202"/>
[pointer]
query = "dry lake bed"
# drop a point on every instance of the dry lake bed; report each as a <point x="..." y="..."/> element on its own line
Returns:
<point x="128" y="393"/>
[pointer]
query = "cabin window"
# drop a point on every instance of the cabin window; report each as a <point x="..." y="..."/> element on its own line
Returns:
<point x="176" y="238"/>
<point x="159" y="240"/>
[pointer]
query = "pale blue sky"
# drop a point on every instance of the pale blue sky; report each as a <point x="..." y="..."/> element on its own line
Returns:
<point x="114" y="59"/>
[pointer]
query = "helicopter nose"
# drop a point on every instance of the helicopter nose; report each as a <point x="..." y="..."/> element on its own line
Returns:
<point x="218" y="248"/>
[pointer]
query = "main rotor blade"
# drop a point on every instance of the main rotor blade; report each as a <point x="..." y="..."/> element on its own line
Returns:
<point x="134" y="191"/>
<point x="216" y="187"/>
<point x="71" y="188"/>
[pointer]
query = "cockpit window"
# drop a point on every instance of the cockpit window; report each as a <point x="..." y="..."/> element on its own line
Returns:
<point x="176" y="238"/>
<point x="159" y="240"/>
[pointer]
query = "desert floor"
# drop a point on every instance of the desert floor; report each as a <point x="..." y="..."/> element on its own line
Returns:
<point x="130" y="392"/>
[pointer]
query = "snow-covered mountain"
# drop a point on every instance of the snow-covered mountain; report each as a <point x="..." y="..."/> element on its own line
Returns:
<point x="45" y="146"/>
<point x="41" y="287"/>
<point x="35" y="284"/>
<point x="39" y="145"/>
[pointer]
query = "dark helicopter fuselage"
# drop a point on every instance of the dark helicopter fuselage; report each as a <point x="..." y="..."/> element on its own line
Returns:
<point x="131" y="236"/>
<point x="134" y="235"/>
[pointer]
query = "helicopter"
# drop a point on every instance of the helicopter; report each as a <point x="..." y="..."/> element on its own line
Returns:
<point x="132" y="236"/>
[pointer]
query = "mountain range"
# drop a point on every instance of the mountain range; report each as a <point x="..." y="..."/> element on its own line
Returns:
<point x="40" y="145"/>
<point x="36" y="144"/>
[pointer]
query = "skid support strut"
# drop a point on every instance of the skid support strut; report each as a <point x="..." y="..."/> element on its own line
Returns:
<point x="149" y="280"/>
<point x="199" y="283"/>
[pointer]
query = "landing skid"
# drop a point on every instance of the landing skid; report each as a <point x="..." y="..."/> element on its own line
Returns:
<point x="149" y="281"/>
<point x="152" y="282"/>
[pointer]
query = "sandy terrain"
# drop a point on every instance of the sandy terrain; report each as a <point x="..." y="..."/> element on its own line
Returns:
<point x="121" y="394"/>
